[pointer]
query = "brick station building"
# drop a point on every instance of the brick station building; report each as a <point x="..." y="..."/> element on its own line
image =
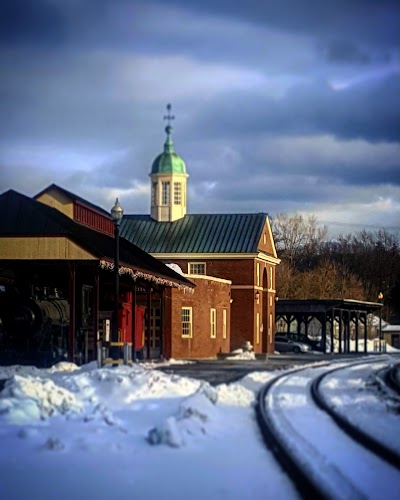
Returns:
<point x="220" y="253"/>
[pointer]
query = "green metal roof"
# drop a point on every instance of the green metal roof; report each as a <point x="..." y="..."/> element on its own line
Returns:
<point x="168" y="162"/>
<point x="196" y="233"/>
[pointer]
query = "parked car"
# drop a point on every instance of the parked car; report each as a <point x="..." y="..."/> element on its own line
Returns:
<point x="284" y="344"/>
<point x="300" y="337"/>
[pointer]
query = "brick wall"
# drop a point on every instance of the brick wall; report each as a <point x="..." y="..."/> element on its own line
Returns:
<point x="240" y="271"/>
<point x="209" y="293"/>
<point x="244" y="308"/>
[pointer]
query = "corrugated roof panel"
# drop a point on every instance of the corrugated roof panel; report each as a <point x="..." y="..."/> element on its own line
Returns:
<point x="240" y="230"/>
<point x="248" y="234"/>
<point x="229" y="243"/>
<point x="185" y="225"/>
<point x="174" y="235"/>
<point x="205" y="234"/>
<point x="217" y="226"/>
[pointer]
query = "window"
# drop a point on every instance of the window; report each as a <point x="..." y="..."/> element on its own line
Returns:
<point x="166" y="193"/>
<point x="187" y="322"/>
<point x="265" y="238"/>
<point x="197" y="268"/>
<point x="154" y="194"/>
<point x="213" y="323"/>
<point x="258" y="329"/>
<point x="258" y="274"/>
<point x="177" y="193"/>
<point x="224" y="323"/>
<point x="271" y="278"/>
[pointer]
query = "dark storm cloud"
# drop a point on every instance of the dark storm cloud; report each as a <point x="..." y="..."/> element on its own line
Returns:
<point x="344" y="51"/>
<point x="64" y="24"/>
<point x="31" y="21"/>
<point x="365" y="111"/>
<point x="368" y="20"/>
<point x="357" y="24"/>
<point x="314" y="178"/>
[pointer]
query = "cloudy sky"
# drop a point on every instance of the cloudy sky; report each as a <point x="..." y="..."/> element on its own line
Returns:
<point x="280" y="106"/>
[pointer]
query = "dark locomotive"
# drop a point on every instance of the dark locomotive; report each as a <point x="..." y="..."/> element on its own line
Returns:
<point x="33" y="329"/>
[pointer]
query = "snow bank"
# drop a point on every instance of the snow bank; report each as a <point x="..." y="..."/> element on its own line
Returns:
<point x="191" y="420"/>
<point x="26" y="398"/>
<point x="240" y="354"/>
<point x="32" y="395"/>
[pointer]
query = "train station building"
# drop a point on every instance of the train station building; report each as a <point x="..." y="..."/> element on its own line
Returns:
<point x="202" y="284"/>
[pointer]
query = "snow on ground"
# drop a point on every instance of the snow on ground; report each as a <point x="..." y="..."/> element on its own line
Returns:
<point x="132" y="432"/>
<point x="136" y="432"/>
<point x="372" y="345"/>
<point x="241" y="354"/>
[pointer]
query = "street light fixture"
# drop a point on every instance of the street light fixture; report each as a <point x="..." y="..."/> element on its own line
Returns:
<point x="116" y="214"/>
<point x="380" y="300"/>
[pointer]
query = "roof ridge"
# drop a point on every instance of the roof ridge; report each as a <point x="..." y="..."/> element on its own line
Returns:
<point x="74" y="196"/>
<point x="205" y="214"/>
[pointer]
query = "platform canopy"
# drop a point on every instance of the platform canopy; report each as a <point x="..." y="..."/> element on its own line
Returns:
<point x="331" y="313"/>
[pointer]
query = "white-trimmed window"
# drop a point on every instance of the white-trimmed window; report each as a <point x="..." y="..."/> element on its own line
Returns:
<point x="213" y="323"/>
<point x="197" y="268"/>
<point x="258" y="328"/>
<point x="177" y="193"/>
<point x="271" y="278"/>
<point x="258" y="274"/>
<point x="224" y="328"/>
<point x="187" y="322"/>
<point x="154" y="193"/>
<point x="166" y="193"/>
<point x="265" y="238"/>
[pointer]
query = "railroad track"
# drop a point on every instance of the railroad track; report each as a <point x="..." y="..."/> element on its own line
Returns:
<point x="366" y="439"/>
<point x="392" y="378"/>
<point x="315" y="447"/>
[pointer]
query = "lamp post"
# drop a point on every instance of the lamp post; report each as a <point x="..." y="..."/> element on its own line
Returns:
<point x="116" y="214"/>
<point x="380" y="299"/>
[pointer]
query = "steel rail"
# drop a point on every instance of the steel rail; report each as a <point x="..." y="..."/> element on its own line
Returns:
<point x="305" y="485"/>
<point x="392" y="378"/>
<point x="356" y="433"/>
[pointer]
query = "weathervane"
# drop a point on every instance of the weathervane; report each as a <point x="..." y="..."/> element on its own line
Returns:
<point x="169" y="117"/>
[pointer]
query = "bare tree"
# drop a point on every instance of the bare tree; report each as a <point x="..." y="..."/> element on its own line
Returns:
<point x="298" y="238"/>
<point x="355" y="266"/>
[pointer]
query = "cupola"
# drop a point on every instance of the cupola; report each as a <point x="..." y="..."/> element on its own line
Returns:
<point x="168" y="181"/>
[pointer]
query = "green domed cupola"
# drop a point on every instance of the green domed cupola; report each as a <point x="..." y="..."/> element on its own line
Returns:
<point x="168" y="162"/>
<point x="168" y="181"/>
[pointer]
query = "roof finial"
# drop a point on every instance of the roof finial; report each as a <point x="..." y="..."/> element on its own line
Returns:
<point x="168" y="146"/>
<point x="169" y="117"/>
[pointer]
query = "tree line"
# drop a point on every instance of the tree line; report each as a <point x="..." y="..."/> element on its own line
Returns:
<point x="358" y="266"/>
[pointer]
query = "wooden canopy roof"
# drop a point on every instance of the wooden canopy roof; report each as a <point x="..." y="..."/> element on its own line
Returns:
<point x="26" y="217"/>
<point x="312" y="306"/>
